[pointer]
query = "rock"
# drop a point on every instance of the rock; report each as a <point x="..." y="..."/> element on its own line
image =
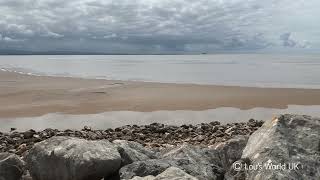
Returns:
<point x="29" y="134"/>
<point x="12" y="151"/>
<point x="36" y="136"/>
<point x="287" y="147"/>
<point x="171" y="173"/>
<point x="11" y="167"/>
<point x="231" y="150"/>
<point x="236" y="172"/>
<point x="143" y="178"/>
<point x="26" y="176"/>
<point x="144" y="168"/>
<point x="66" y="158"/>
<point x="21" y="149"/>
<point x="153" y="136"/>
<point x="86" y="128"/>
<point x="174" y="173"/>
<point x="132" y="151"/>
<point x="203" y="163"/>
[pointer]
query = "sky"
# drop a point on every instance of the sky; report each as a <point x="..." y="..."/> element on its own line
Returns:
<point x="160" y="26"/>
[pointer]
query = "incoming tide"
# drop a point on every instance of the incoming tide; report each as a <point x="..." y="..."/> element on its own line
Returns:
<point x="253" y="70"/>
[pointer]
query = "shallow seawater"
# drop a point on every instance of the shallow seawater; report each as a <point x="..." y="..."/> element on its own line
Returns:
<point x="121" y="118"/>
<point x="258" y="70"/>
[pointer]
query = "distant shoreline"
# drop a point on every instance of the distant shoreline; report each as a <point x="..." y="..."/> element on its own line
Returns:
<point x="30" y="96"/>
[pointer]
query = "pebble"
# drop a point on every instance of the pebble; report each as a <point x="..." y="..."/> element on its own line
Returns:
<point x="155" y="135"/>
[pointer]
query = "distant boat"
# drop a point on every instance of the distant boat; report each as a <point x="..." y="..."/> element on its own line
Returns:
<point x="203" y="53"/>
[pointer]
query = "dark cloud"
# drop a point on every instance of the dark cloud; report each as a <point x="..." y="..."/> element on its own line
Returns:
<point x="150" y="25"/>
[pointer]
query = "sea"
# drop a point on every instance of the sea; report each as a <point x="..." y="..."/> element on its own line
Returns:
<point x="252" y="70"/>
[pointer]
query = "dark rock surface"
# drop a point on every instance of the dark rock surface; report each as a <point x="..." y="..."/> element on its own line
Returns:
<point x="11" y="167"/>
<point x="67" y="158"/>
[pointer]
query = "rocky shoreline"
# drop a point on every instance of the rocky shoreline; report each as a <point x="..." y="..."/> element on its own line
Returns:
<point x="286" y="147"/>
<point x="153" y="136"/>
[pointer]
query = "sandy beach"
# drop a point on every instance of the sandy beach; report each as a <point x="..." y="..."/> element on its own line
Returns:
<point x="28" y="96"/>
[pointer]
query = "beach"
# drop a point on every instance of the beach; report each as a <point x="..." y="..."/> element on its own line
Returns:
<point x="30" y="96"/>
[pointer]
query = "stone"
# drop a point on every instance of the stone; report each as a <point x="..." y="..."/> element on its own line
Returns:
<point x="174" y="173"/>
<point x="236" y="172"/>
<point x="66" y="158"/>
<point x="29" y="134"/>
<point x="171" y="173"/>
<point x="203" y="163"/>
<point x="11" y="167"/>
<point x="229" y="130"/>
<point x="143" y="178"/>
<point x="86" y="128"/>
<point x="21" y="149"/>
<point x="132" y="151"/>
<point x="144" y="168"/>
<point x="230" y="150"/>
<point x="287" y="147"/>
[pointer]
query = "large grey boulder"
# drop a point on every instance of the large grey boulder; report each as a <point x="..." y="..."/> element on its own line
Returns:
<point x="174" y="173"/>
<point x="231" y="150"/>
<point x="151" y="167"/>
<point x="286" y="147"/>
<point x="171" y="173"/>
<point x="67" y="158"/>
<point x="143" y="178"/>
<point x="203" y="163"/>
<point x="199" y="162"/>
<point x="132" y="151"/>
<point x="11" y="167"/>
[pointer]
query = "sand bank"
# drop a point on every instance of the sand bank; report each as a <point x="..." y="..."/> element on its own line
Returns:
<point x="27" y="96"/>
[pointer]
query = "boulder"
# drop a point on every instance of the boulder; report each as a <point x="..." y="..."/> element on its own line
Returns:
<point x="174" y="173"/>
<point x="11" y="167"/>
<point x="171" y="173"/>
<point x="231" y="150"/>
<point x="145" y="168"/>
<point x="66" y="158"/>
<point x="143" y="178"/>
<point x="132" y="151"/>
<point x="203" y="163"/>
<point x="286" y="147"/>
<point x="29" y="134"/>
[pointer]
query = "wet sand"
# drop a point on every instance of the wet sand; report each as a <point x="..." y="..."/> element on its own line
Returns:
<point x="114" y="119"/>
<point x="30" y="96"/>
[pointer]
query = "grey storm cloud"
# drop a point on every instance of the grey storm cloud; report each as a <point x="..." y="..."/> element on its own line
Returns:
<point x="156" y="26"/>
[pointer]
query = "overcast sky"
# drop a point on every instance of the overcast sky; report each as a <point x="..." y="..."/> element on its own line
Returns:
<point x="156" y="26"/>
